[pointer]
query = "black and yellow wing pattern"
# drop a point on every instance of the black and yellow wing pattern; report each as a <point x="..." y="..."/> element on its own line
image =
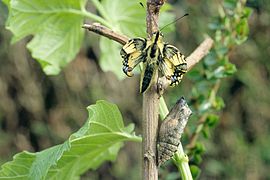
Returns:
<point x="133" y="52"/>
<point x="173" y="65"/>
<point x="154" y="53"/>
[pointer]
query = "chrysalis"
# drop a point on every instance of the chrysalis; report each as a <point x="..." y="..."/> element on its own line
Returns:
<point x="171" y="130"/>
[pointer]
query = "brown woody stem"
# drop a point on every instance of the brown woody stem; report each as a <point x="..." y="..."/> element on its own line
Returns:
<point x="151" y="104"/>
<point x="106" y="32"/>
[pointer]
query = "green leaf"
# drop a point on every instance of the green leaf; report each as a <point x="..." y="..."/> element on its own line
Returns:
<point x="128" y="17"/>
<point x="110" y="59"/>
<point x="6" y="2"/>
<point x="218" y="104"/>
<point x="199" y="148"/>
<point x="224" y="70"/>
<point x="204" y="106"/>
<point x="206" y="132"/>
<point x="55" y="26"/>
<point x="242" y="31"/>
<point x="210" y="59"/>
<point x="197" y="158"/>
<point x="247" y="12"/>
<point x="212" y="120"/>
<point x="230" y="4"/>
<point x="195" y="75"/>
<point x="97" y="141"/>
<point x="195" y="171"/>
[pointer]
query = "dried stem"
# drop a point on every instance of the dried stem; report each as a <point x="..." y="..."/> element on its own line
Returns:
<point x="104" y="31"/>
<point x="201" y="51"/>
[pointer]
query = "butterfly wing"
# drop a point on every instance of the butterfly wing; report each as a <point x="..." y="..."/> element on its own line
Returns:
<point x="173" y="65"/>
<point x="133" y="52"/>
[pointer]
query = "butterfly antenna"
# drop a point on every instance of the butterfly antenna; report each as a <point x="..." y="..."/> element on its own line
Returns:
<point x="174" y="21"/>
<point x="141" y="4"/>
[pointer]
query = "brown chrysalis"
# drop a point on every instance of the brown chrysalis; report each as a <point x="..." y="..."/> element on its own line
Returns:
<point x="171" y="130"/>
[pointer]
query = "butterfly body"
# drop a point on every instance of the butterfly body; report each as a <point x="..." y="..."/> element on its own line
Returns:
<point x="155" y="54"/>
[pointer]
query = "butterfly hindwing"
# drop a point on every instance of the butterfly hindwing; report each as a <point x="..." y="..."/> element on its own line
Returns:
<point x="133" y="52"/>
<point x="173" y="64"/>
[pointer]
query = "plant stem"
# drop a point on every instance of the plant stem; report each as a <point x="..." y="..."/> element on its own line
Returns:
<point x="181" y="161"/>
<point x="101" y="10"/>
<point x="163" y="109"/>
<point x="135" y="139"/>
<point x="150" y="129"/>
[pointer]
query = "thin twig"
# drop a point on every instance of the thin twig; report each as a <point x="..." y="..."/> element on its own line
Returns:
<point x="201" y="51"/>
<point x="106" y="32"/>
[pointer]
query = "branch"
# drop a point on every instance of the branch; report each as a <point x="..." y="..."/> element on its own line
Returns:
<point x="106" y="32"/>
<point x="201" y="51"/>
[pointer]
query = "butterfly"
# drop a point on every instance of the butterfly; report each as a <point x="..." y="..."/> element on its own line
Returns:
<point x="155" y="54"/>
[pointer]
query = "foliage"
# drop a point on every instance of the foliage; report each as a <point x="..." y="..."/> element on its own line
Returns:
<point x="98" y="140"/>
<point x="230" y="29"/>
<point x="55" y="25"/>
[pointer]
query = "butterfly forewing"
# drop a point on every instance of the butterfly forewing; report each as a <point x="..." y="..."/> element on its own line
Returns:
<point x="133" y="53"/>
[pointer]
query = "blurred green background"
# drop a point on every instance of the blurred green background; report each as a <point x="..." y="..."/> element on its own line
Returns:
<point x="39" y="111"/>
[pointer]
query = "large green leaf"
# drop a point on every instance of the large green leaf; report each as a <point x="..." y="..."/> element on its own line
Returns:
<point x="110" y="59"/>
<point x="55" y="26"/>
<point x="97" y="141"/>
<point x="128" y="18"/>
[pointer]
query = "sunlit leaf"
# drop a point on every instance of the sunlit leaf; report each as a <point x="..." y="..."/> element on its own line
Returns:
<point x="55" y="26"/>
<point x="97" y="141"/>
